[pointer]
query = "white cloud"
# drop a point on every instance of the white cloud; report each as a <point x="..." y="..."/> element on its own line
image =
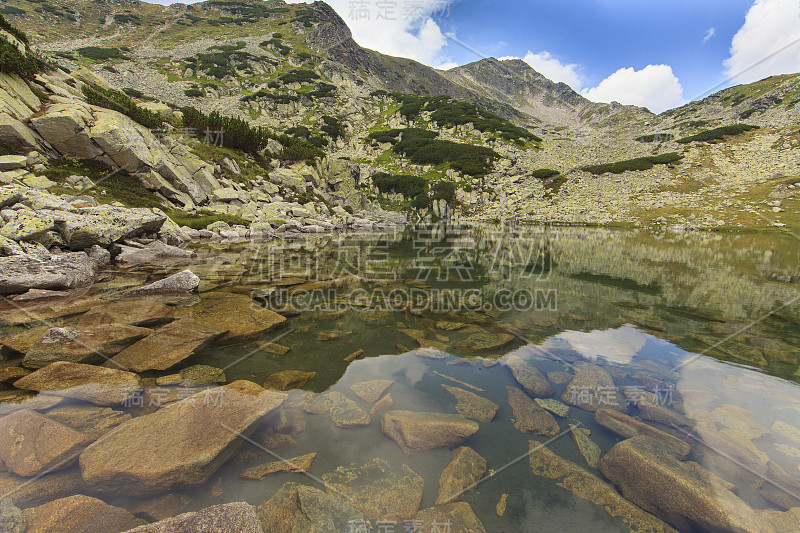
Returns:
<point x="711" y="32"/>
<point x="550" y="67"/>
<point x="770" y="25"/>
<point x="402" y="28"/>
<point x="655" y="87"/>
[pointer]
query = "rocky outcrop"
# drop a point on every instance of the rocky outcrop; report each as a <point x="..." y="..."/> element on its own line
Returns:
<point x="19" y="273"/>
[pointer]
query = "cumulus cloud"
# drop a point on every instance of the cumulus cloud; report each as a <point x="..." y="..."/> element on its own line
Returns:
<point x="403" y="28"/>
<point x="710" y="32"/>
<point x="655" y="87"/>
<point x="761" y="46"/>
<point x="550" y="67"/>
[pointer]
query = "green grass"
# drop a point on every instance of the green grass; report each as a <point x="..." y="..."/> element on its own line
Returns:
<point x="203" y="221"/>
<point x="544" y="173"/>
<point x="655" y="137"/>
<point x="718" y="134"/>
<point x="122" y="103"/>
<point x="640" y="163"/>
<point x="98" y="53"/>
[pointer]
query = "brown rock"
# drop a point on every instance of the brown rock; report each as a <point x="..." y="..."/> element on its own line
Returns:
<point x="180" y="445"/>
<point x="101" y="386"/>
<point x="296" y="508"/>
<point x="28" y="492"/>
<point x="500" y="508"/>
<point x="682" y="493"/>
<point x="80" y="513"/>
<point x="166" y="347"/>
<point x="473" y="406"/>
<point x="290" y="421"/>
<point x="371" y="391"/>
<point x="353" y="356"/>
<point x="627" y="427"/>
<point x="237" y="517"/>
<point x="23" y="341"/>
<point x="485" y="342"/>
<point x="271" y="347"/>
<point x="589" y="450"/>
<point x="344" y="412"/>
<point x="459" y="516"/>
<point x="94" y="346"/>
<point x="529" y="377"/>
<point x="12" y="373"/>
<point x="384" y="404"/>
<point x="225" y="311"/>
<point x="145" y="313"/>
<point x="417" y="432"/>
<point x="593" y="388"/>
<point x="461" y="475"/>
<point x="92" y="421"/>
<point x="288" y="379"/>
<point x="32" y="444"/>
<point x="377" y="489"/>
<point x="529" y="417"/>
<point x="160" y="508"/>
<point x="15" y="400"/>
<point x="300" y="464"/>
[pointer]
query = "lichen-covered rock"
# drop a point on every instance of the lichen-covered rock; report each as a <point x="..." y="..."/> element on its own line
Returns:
<point x="473" y="406"/>
<point x="529" y="377"/>
<point x="417" y="432"/>
<point x="19" y="273"/>
<point x="25" y="224"/>
<point x="461" y="475"/>
<point x="295" y="508"/>
<point x="11" y="518"/>
<point x="105" y="225"/>
<point x="529" y="417"/>
<point x="100" y="386"/>
<point x="237" y="517"/>
<point x="80" y="513"/>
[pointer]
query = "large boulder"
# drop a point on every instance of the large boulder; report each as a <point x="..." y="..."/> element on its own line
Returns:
<point x="15" y="133"/>
<point x="180" y="445"/>
<point x="627" y="427"/>
<point x="237" y="517"/>
<point x="20" y="273"/>
<point x="417" y="432"/>
<point x="94" y="384"/>
<point x="25" y="224"/>
<point x="105" y="225"/>
<point x="453" y="516"/>
<point x="27" y="492"/>
<point x="32" y="444"/>
<point x="79" y="513"/>
<point x="64" y="127"/>
<point x="684" y="494"/>
<point x="296" y="508"/>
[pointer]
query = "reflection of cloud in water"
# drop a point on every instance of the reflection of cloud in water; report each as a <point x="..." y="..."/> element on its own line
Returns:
<point x="614" y="345"/>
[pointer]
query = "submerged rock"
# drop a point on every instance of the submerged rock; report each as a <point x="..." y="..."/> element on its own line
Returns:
<point x="80" y="513"/>
<point x="371" y="391"/>
<point x="589" y="487"/>
<point x="484" y="342"/>
<point x="554" y="406"/>
<point x="161" y="507"/>
<point x="185" y="281"/>
<point x="32" y="444"/>
<point x="589" y="450"/>
<point x="145" y="313"/>
<point x="295" y="508"/>
<point x="384" y="404"/>
<point x="417" y="432"/>
<point x="91" y="420"/>
<point x="377" y="489"/>
<point x="529" y="417"/>
<point x="29" y="492"/>
<point x="152" y="253"/>
<point x="627" y="427"/>
<point x="11" y="518"/>
<point x="237" y="314"/>
<point x="473" y="406"/>
<point x="98" y="385"/>
<point x="96" y="345"/>
<point x="180" y="445"/>
<point x="344" y="412"/>
<point x="529" y="377"/>
<point x="458" y="517"/>
<point x="299" y="464"/>
<point x="461" y="475"/>
<point x="288" y="379"/>
<point x="237" y="517"/>
<point x="682" y="493"/>
<point x="593" y="388"/>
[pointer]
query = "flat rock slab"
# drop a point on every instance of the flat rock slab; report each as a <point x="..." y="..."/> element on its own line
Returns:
<point x="237" y="314"/>
<point x="271" y="347"/>
<point x="145" y="313"/>
<point x="377" y="489"/>
<point x="29" y="492"/>
<point x="418" y="432"/>
<point x="32" y="444"/>
<point x="533" y="381"/>
<point x="154" y="252"/>
<point x="458" y="517"/>
<point x="344" y="412"/>
<point x="529" y="417"/>
<point x="472" y="406"/>
<point x="105" y="225"/>
<point x="299" y="464"/>
<point x="92" y="421"/>
<point x="296" y="508"/>
<point x="98" y="385"/>
<point x="485" y="342"/>
<point x="384" y="404"/>
<point x="95" y="345"/>
<point x="371" y="391"/>
<point x="627" y="427"/>
<point x="288" y="379"/>
<point x="461" y="475"/>
<point x="80" y="513"/>
<point x="167" y="347"/>
<point x="554" y="406"/>
<point x="237" y="517"/>
<point x="180" y="445"/>
<point x="589" y="450"/>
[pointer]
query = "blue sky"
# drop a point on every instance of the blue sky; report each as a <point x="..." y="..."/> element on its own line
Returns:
<point x="653" y="53"/>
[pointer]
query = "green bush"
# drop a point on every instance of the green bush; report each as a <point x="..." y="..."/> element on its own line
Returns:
<point x="98" y="53"/>
<point x="544" y="173"/>
<point x="640" y="163"/>
<point x="133" y="93"/>
<point x="718" y="134"/>
<point x="655" y="137"/>
<point x="127" y="18"/>
<point x="444" y="190"/>
<point x="298" y="76"/>
<point x="332" y="127"/>
<point x="407" y="185"/>
<point x="295" y="149"/>
<point x="12" y="61"/>
<point x="119" y="101"/>
<point x="192" y="93"/>
<point x="299" y="131"/>
<point x="236" y="132"/>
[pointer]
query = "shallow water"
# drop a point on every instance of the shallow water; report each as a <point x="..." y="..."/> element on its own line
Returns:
<point x="704" y="321"/>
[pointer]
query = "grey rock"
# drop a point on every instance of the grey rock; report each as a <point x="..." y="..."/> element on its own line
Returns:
<point x="152" y="253"/>
<point x="11" y="518"/>
<point x="20" y="273"/>
<point x="237" y="517"/>
<point x="184" y="281"/>
<point x="105" y="225"/>
<point x="13" y="162"/>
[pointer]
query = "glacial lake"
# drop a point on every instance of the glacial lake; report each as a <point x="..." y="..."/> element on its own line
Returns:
<point x="696" y="335"/>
